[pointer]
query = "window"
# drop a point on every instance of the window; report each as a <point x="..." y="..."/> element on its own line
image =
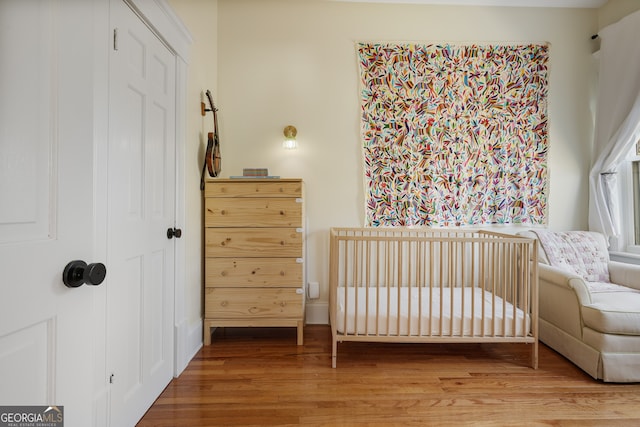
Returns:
<point x="630" y="205"/>
<point x="635" y="175"/>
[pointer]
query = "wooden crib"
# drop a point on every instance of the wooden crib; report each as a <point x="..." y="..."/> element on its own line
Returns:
<point x="432" y="286"/>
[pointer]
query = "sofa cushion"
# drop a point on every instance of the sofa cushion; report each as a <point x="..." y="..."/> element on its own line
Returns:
<point x="600" y="287"/>
<point x="613" y="313"/>
<point x="579" y="252"/>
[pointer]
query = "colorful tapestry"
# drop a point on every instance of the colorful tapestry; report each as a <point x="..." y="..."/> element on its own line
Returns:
<point x="454" y="135"/>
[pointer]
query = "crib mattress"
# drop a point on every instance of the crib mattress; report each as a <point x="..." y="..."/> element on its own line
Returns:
<point x="409" y="311"/>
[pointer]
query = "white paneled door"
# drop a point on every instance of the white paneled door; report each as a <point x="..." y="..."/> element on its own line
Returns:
<point x="46" y="205"/>
<point x="141" y="209"/>
<point x="68" y="192"/>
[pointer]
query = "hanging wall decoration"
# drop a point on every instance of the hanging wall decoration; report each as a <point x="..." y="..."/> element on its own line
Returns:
<point x="454" y="135"/>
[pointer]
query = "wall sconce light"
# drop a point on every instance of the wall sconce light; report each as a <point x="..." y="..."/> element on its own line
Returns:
<point x="290" y="142"/>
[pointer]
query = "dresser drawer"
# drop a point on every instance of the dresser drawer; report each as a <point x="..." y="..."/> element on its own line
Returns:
<point x="253" y="188"/>
<point x="253" y="242"/>
<point x="253" y="272"/>
<point x="245" y="303"/>
<point x="254" y="212"/>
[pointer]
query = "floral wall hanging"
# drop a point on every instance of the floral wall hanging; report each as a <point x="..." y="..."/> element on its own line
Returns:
<point x="454" y="135"/>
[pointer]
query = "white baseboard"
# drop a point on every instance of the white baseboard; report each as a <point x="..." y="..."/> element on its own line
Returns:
<point x="194" y="339"/>
<point x="188" y="340"/>
<point x="317" y="313"/>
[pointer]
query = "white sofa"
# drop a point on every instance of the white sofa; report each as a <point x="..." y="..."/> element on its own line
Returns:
<point x="589" y="305"/>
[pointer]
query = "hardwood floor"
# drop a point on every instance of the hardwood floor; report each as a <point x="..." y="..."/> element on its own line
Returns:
<point x="260" y="377"/>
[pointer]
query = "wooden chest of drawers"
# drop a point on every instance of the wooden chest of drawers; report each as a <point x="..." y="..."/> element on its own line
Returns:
<point x="254" y="254"/>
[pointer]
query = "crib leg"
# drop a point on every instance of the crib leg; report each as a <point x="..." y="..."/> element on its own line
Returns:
<point x="334" y="353"/>
<point x="300" y="334"/>
<point x="534" y="355"/>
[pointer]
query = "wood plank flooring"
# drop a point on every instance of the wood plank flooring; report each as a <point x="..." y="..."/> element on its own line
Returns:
<point x="260" y="377"/>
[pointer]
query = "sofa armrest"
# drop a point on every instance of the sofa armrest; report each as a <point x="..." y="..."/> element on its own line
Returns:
<point x="562" y="278"/>
<point x="561" y="296"/>
<point x="624" y="274"/>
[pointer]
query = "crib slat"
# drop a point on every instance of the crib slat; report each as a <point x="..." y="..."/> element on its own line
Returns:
<point x="474" y="266"/>
<point x="346" y="286"/>
<point x="431" y="282"/>
<point x="367" y="283"/>
<point x="513" y="291"/>
<point x="397" y="285"/>
<point x="486" y="283"/>
<point x="462" y="256"/>
<point x="388" y="285"/>
<point x="378" y="283"/>
<point x="450" y="284"/>
<point x="440" y="282"/>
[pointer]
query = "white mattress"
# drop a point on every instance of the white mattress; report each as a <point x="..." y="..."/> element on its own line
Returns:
<point x="474" y="313"/>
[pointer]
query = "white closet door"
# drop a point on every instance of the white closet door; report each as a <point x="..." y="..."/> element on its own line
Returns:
<point x="141" y="208"/>
<point x="46" y="205"/>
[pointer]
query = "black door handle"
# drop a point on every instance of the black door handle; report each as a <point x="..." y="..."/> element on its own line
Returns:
<point x="171" y="232"/>
<point x="77" y="273"/>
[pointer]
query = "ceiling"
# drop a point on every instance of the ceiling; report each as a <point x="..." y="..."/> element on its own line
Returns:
<point x="513" y="3"/>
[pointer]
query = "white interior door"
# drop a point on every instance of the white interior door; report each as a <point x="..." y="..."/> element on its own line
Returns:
<point x="46" y="207"/>
<point x="141" y="207"/>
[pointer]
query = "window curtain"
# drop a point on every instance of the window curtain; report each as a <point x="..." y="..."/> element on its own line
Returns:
<point x="617" y="125"/>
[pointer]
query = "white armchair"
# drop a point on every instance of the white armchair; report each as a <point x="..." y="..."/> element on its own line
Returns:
<point x="589" y="306"/>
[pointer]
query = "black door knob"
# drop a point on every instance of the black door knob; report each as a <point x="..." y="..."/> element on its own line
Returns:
<point x="77" y="273"/>
<point x="171" y="232"/>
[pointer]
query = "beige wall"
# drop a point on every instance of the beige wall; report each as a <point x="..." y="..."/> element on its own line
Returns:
<point x="201" y="18"/>
<point x="293" y="62"/>
<point x="614" y="10"/>
<point x="281" y="62"/>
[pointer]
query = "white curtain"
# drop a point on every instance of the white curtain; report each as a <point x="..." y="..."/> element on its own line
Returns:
<point x="617" y="120"/>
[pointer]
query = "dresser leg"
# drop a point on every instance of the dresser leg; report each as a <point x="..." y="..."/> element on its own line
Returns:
<point x="207" y="334"/>
<point x="300" y="332"/>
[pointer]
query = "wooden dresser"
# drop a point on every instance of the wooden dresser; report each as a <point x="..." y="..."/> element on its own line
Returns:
<point x="254" y="254"/>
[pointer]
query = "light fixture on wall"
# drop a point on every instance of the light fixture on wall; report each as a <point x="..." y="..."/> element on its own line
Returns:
<point x="289" y="142"/>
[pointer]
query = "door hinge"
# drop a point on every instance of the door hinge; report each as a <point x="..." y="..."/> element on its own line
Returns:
<point x="115" y="39"/>
<point x="111" y="377"/>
